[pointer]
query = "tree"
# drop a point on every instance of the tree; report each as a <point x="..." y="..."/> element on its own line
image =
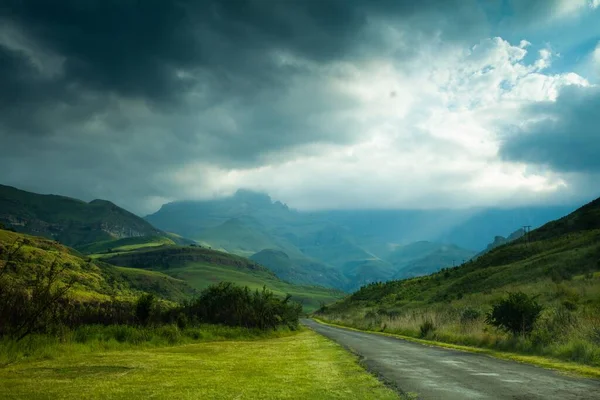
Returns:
<point x="144" y="308"/>
<point x="516" y="314"/>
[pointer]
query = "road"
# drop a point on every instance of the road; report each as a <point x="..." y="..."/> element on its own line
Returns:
<point x="437" y="373"/>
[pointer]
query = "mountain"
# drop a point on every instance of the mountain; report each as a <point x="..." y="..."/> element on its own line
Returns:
<point x="556" y="252"/>
<point x="361" y="245"/>
<point x="466" y="228"/>
<point x="300" y="270"/>
<point x="500" y="240"/>
<point x="249" y="223"/>
<point x="70" y="221"/>
<point x="441" y="256"/>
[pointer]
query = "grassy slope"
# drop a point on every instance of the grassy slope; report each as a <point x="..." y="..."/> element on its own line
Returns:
<point x="302" y="366"/>
<point x="560" y="265"/>
<point x="96" y="280"/>
<point x="125" y="244"/>
<point x="201" y="267"/>
<point x="70" y="221"/>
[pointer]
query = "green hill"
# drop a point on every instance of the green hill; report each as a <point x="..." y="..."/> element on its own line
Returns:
<point x="559" y="263"/>
<point x="70" y="221"/>
<point x="201" y="267"/>
<point x="95" y="280"/>
<point x="299" y="269"/>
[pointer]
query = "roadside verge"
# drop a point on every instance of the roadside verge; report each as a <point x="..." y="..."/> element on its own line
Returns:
<point x="544" y="362"/>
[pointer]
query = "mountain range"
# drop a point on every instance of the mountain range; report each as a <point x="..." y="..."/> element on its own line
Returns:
<point x="343" y="248"/>
<point x="340" y="249"/>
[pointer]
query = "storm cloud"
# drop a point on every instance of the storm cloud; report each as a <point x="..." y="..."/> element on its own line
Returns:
<point x="145" y="102"/>
<point x="562" y="134"/>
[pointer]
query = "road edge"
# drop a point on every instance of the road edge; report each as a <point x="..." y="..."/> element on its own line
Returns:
<point x="360" y="361"/>
<point x="565" y="367"/>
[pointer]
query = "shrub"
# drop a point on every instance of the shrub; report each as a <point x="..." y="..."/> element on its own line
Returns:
<point x="427" y="328"/>
<point x="515" y="314"/>
<point x="232" y="305"/>
<point x="469" y="314"/>
<point x="32" y="295"/>
<point x="144" y="308"/>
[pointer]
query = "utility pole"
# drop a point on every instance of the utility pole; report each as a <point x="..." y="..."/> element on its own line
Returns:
<point x="526" y="230"/>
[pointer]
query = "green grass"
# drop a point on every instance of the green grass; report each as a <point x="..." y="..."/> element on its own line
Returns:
<point x="301" y="366"/>
<point x="125" y="244"/>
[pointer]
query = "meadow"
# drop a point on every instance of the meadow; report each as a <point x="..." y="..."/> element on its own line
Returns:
<point x="298" y="365"/>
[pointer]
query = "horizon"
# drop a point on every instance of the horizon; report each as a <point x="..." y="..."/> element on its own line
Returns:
<point x="274" y="201"/>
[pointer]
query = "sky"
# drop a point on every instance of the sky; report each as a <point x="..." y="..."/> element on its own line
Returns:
<point x="323" y="104"/>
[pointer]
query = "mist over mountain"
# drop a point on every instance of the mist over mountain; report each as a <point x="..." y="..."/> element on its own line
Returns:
<point x="344" y="248"/>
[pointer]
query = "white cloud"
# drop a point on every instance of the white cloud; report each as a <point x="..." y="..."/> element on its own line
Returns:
<point x="429" y="138"/>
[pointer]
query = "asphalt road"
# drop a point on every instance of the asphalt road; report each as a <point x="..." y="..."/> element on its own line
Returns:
<point x="437" y="373"/>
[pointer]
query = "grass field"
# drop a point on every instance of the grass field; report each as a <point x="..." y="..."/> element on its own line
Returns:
<point x="301" y="366"/>
<point x="125" y="244"/>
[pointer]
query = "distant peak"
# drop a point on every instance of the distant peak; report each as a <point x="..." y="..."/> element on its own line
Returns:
<point x="100" y="202"/>
<point x="252" y="197"/>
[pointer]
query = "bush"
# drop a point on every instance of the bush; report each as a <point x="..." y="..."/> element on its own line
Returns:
<point x="232" y="305"/>
<point x="517" y="314"/>
<point x="32" y="295"/>
<point x="427" y="328"/>
<point x="469" y="314"/>
<point x="144" y="308"/>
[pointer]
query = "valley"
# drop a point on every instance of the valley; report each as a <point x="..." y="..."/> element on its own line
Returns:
<point x="434" y="292"/>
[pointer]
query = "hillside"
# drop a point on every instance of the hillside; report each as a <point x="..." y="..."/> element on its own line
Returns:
<point x="560" y="249"/>
<point x="558" y="264"/>
<point x="300" y="270"/>
<point x="96" y="280"/>
<point x="201" y="267"/>
<point x="500" y="240"/>
<point x="70" y="221"/>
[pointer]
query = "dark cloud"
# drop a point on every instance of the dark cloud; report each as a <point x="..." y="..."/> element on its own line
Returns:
<point x="565" y="134"/>
<point x="107" y="98"/>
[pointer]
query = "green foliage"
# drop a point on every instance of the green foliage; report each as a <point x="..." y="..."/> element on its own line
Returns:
<point x="426" y="329"/>
<point x="144" y="307"/>
<point x="469" y="314"/>
<point x="32" y="295"/>
<point x="233" y="305"/>
<point x="516" y="314"/>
